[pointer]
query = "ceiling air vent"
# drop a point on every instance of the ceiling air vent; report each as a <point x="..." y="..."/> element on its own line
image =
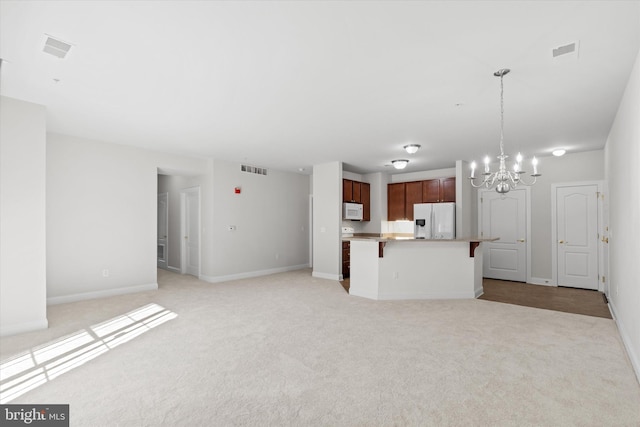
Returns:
<point x="568" y="49"/>
<point x="253" y="169"/>
<point x="56" y="47"/>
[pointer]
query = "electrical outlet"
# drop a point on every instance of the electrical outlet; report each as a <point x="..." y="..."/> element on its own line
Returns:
<point x="105" y="272"/>
<point x="396" y="275"/>
<point x="277" y="256"/>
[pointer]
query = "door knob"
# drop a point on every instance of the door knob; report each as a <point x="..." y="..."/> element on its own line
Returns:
<point x="605" y="240"/>
<point x="562" y="241"/>
<point x="521" y="240"/>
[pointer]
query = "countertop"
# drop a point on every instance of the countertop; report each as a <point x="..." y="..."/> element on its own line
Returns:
<point x="413" y="239"/>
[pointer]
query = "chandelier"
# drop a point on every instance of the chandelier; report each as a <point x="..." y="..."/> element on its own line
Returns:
<point x="503" y="180"/>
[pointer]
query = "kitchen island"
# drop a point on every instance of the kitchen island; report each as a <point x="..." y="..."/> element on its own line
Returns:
<point x="392" y="269"/>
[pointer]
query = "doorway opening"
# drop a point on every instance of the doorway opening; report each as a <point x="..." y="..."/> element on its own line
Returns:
<point x="179" y="226"/>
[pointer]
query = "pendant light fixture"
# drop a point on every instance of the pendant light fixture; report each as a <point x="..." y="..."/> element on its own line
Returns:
<point x="503" y="180"/>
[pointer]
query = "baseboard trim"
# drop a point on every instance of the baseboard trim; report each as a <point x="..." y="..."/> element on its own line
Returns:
<point x="368" y="295"/>
<point x="101" y="294"/>
<point x="427" y="295"/>
<point x="250" y="274"/>
<point x="20" y="328"/>
<point x="327" y="276"/>
<point x="174" y="269"/>
<point x="633" y="357"/>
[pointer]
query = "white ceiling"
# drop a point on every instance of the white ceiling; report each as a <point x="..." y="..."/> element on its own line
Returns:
<point x="287" y="85"/>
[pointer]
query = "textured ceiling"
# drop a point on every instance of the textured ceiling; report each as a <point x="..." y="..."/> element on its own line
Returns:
<point x="287" y="85"/>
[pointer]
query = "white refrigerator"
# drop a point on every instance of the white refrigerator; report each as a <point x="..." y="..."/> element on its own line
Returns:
<point x="434" y="220"/>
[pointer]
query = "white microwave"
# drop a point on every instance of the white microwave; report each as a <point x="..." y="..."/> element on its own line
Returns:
<point x="352" y="211"/>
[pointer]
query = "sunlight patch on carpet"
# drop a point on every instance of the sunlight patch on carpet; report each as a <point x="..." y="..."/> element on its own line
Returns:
<point x="27" y="371"/>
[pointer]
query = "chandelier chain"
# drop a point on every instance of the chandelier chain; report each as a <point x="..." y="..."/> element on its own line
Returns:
<point x="501" y="114"/>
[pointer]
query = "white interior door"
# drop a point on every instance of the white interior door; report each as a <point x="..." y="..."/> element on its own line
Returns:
<point x="163" y="227"/>
<point x="191" y="231"/>
<point x="505" y="217"/>
<point x="577" y="236"/>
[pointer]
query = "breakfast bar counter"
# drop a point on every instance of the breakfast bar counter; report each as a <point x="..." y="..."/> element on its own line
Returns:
<point x="392" y="269"/>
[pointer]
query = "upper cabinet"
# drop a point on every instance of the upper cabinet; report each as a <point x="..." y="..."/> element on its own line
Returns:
<point x="366" y="201"/>
<point x="351" y="191"/>
<point x="396" y="201"/>
<point x="402" y="196"/>
<point x="358" y="192"/>
<point x="412" y="194"/>
<point x="439" y="190"/>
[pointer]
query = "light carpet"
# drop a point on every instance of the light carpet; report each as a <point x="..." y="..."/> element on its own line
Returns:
<point x="293" y="350"/>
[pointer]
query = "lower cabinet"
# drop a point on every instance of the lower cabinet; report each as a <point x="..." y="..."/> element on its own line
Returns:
<point x="346" y="262"/>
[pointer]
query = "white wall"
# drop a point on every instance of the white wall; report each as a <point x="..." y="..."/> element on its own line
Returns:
<point x="623" y="175"/>
<point x="422" y="175"/>
<point x="271" y="216"/>
<point x="327" y="206"/>
<point x="464" y="202"/>
<point x="102" y="215"/>
<point x="22" y="216"/>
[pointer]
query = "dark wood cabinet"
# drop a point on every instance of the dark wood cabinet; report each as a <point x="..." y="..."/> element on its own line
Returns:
<point x="448" y="189"/>
<point x="366" y="201"/>
<point x="347" y="190"/>
<point x="431" y="191"/>
<point x="395" y="201"/>
<point x="358" y="192"/>
<point x="346" y="259"/>
<point x="412" y="195"/>
<point x="351" y="191"/>
<point x="439" y="190"/>
<point x="402" y="196"/>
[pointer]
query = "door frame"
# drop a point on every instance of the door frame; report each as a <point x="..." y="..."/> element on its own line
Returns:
<point x="554" y="229"/>
<point x="183" y="229"/>
<point x="527" y="199"/>
<point x="166" y="239"/>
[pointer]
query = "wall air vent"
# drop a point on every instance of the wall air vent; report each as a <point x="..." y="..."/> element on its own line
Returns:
<point x="568" y="49"/>
<point x="56" y="47"/>
<point x="253" y="169"/>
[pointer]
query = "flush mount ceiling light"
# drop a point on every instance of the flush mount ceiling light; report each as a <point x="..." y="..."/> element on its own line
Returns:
<point x="503" y="180"/>
<point x="400" y="163"/>
<point x="412" y="148"/>
<point x="559" y="152"/>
